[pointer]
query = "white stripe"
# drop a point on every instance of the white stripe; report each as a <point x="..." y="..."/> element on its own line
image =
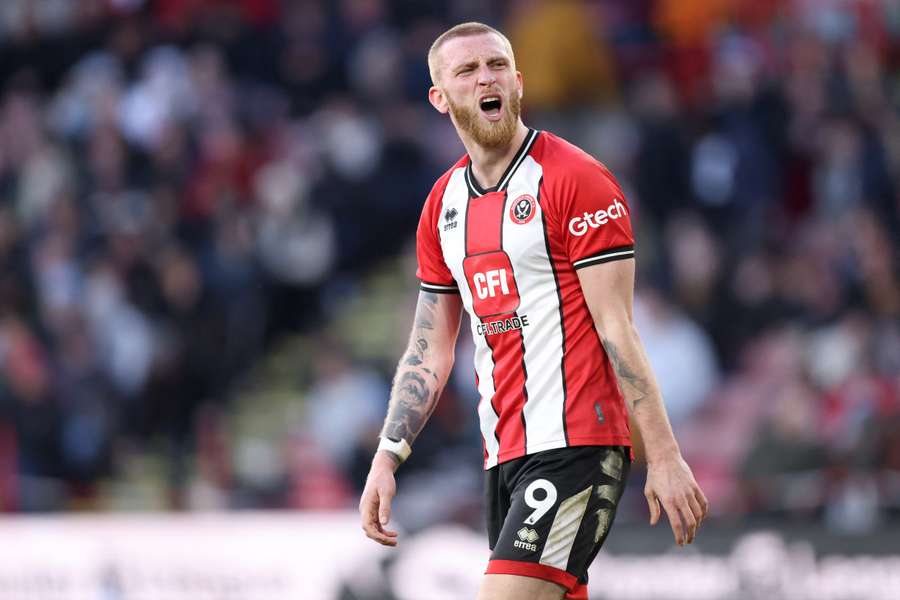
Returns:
<point x="453" y="246"/>
<point x="471" y="185"/>
<point x="602" y="256"/>
<point x="604" y="519"/>
<point x="432" y="286"/>
<point x="526" y="148"/>
<point x="612" y="465"/>
<point x="488" y="419"/>
<point x="544" y="427"/>
<point x="565" y="527"/>
<point x="608" y="493"/>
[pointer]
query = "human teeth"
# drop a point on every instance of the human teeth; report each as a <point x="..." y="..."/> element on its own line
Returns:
<point x="489" y="100"/>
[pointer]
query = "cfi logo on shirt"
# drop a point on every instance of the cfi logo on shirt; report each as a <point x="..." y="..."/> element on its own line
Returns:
<point x="578" y="226"/>
<point x="522" y="210"/>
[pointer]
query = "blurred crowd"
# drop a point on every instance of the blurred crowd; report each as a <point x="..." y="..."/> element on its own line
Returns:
<point x="187" y="185"/>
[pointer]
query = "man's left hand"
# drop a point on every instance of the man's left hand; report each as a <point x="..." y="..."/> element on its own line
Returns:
<point x="671" y="483"/>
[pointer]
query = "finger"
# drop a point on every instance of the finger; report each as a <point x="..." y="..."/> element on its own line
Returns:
<point x="388" y="532"/>
<point x="384" y="507"/>
<point x="367" y="509"/>
<point x="388" y="538"/>
<point x="382" y="539"/>
<point x="696" y="508"/>
<point x="704" y="503"/>
<point x="674" y="521"/>
<point x="688" y="520"/>
<point x="653" y="503"/>
<point x="374" y="531"/>
<point x="371" y="526"/>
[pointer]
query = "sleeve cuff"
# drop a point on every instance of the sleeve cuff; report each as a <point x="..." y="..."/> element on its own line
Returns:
<point x="438" y="288"/>
<point x="608" y="255"/>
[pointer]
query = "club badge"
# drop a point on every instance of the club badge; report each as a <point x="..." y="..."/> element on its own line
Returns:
<point x="523" y="209"/>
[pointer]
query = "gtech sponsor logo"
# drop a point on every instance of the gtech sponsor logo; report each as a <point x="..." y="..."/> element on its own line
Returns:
<point x="578" y="226"/>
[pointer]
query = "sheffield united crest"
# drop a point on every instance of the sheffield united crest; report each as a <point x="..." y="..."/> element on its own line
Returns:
<point x="522" y="209"/>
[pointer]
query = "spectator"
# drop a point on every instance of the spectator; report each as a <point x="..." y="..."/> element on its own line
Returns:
<point x="191" y="193"/>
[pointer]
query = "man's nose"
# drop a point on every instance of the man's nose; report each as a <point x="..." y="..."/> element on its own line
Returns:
<point x="485" y="75"/>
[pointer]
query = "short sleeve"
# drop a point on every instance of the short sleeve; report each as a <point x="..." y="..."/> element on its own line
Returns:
<point x="432" y="271"/>
<point x="596" y="219"/>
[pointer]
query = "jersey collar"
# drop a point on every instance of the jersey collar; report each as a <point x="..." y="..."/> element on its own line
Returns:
<point x="475" y="188"/>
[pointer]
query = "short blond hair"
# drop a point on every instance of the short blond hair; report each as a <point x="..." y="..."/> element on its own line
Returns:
<point x="461" y="30"/>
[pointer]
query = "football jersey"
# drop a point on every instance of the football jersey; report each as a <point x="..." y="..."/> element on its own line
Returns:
<point x="512" y="252"/>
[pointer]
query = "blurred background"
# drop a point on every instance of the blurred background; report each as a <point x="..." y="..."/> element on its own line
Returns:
<point x="207" y="217"/>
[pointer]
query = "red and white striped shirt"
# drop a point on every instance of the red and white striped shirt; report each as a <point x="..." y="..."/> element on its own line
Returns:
<point x="511" y="252"/>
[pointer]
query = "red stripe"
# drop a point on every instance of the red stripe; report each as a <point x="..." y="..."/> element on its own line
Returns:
<point x="588" y="373"/>
<point x="579" y="593"/>
<point x="562" y="321"/>
<point x="484" y="234"/>
<point x="529" y="569"/>
<point x="484" y="223"/>
<point x="509" y="386"/>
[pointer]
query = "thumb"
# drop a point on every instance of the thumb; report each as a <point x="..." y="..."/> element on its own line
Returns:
<point x="384" y="507"/>
<point x="653" y="503"/>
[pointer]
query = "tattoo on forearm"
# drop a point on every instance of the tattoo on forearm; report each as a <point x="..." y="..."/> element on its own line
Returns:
<point x="413" y="397"/>
<point x="413" y="389"/>
<point x="409" y="406"/>
<point x="417" y="354"/>
<point x="634" y="387"/>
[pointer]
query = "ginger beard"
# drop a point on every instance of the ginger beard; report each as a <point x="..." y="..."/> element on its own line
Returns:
<point x="488" y="134"/>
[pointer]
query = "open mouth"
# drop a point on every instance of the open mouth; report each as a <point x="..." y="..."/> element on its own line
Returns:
<point x="491" y="105"/>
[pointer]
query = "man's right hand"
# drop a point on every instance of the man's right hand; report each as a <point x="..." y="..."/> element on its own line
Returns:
<point x="375" y="503"/>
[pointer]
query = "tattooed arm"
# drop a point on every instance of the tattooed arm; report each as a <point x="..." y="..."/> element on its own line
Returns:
<point x="425" y="366"/>
<point x="609" y="291"/>
<point x="418" y="383"/>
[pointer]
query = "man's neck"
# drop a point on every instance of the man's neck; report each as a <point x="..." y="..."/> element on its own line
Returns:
<point x="488" y="164"/>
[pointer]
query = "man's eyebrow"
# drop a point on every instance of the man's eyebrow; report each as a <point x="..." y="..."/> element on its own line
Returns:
<point x="469" y="65"/>
<point x="474" y="63"/>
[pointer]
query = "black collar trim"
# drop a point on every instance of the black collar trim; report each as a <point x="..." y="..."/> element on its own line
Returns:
<point x="475" y="188"/>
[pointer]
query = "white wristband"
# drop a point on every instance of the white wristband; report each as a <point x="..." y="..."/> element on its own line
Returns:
<point x="399" y="448"/>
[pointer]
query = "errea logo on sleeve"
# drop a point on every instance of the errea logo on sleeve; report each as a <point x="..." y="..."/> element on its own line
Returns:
<point x="578" y="226"/>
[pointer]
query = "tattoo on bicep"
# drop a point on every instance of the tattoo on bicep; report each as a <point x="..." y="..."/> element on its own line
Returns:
<point x="634" y="387"/>
<point x="424" y="323"/>
<point x="425" y="310"/>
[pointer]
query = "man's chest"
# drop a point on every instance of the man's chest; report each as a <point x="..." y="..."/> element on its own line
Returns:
<point x="495" y="243"/>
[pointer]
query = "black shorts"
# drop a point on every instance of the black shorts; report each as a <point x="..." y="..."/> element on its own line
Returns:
<point x="548" y="513"/>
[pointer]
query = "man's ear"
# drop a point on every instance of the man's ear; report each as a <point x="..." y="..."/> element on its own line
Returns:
<point x="438" y="100"/>
<point x="520" y="84"/>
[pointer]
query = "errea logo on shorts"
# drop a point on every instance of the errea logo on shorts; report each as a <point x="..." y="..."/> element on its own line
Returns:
<point x="527" y="538"/>
<point x="579" y="226"/>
